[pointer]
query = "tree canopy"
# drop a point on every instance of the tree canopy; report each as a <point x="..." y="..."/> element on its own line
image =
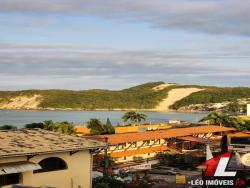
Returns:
<point x="61" y="127"/>
<point x="227" y="120"/>
<point x="134" y="117"/>
<point x="97" y="127"/>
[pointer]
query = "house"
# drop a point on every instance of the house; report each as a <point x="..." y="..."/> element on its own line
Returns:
<point x="141" y="128"/>
<point x="144" y="146"/>
<point x="83" y="130"/>
<point x="40" y="158"/>
<point x="239" y="142"/>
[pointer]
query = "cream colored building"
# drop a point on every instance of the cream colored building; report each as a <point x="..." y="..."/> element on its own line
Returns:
<point x="138" y="146"/>
<point x="248" y="109"/>
<point x="42" y="158"/>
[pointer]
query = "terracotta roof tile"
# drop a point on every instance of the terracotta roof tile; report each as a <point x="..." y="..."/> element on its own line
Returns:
<point x="195" y="139"/>
<point x="170" y="133"/>
<point x="240" y="134"/>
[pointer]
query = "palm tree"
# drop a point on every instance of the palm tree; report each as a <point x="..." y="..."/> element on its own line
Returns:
<point x="61" y="127"/>
<point x="64" y="127"/>
<point x="96" y="126"/>
<point x="49" y="125"/>
<point x="216" y="118"/>
<point x="134" y="117"/>
<point x="225" y="120"/>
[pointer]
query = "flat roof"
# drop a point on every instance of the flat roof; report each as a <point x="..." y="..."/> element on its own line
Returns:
<point x="38" y="141"/>
<point x="169" y="133"/>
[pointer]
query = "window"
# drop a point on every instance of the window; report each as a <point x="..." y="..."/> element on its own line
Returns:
<point x="10" y="179"/>
<point x="158" y="141"/>
<point x="133" y="144"/>
<point x="237" y="140"/>
<point x="147" y="143"/>
<point x="121" y="146"/>
<point x="51" y="164"/>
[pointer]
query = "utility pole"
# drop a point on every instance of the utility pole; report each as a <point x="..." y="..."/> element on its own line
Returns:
<point x="106" y="159"/>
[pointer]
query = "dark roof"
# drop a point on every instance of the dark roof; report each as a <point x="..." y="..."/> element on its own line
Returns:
<point x="37" y="141"/>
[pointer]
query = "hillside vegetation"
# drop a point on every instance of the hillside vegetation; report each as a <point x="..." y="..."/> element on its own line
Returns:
<point x="213" y="95"/>
<point x="144" y="97"/>
<point x="139" y="97"/>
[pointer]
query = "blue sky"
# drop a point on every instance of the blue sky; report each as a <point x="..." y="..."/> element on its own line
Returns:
<point x="82" y="44"/>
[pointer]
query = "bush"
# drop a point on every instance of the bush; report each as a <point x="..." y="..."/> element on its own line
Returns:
<point x="61" y="127"/>
<point x="34" y="125"/>
<point x="8" y="127"/>
<point x="107" y="182"/>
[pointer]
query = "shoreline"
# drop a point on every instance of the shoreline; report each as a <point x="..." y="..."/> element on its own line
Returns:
<point x="101" y="110"/>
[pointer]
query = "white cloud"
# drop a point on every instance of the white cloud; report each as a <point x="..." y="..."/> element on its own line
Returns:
<point x="212" y="16"/>
<point x="55" y="67"/>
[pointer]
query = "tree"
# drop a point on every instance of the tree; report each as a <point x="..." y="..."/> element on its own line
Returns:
<point x="227" y="120"/>
<point x="107" y="182"/>
<point x="247" y="125"/>
<point x="216" y="118"/>
<point x="61" y="127"/>
<point x="8" y="127"/>
<point x="108" y="127"/>
<point x="233" y="108"/>
<point x="49" y="125"/>
<point x="134" y="117"/>
<point x="64" y="127"/>
<point x="96" y="126"/>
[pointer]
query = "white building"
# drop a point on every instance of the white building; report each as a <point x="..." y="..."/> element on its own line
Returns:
<point x="40" y="158"/>
<point x="248" y="109"/>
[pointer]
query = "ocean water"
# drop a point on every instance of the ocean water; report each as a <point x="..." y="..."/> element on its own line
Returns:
<point x="20" y="118"/>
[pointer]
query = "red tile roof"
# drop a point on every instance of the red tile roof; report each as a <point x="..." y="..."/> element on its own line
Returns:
<point x="150" y="135"/>
<point x="195" y="139"/>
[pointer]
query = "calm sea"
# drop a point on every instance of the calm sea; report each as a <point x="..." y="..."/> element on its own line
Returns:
<point x="20" y="118"/>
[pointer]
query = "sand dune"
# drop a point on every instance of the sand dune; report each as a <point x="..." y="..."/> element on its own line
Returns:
<point x="22" y="102"/>
<point x="32" y="102"/>
<point x="175" y="95"/>
<point x="161" y="86"/>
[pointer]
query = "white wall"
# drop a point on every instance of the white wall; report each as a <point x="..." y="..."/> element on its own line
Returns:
<point x="248" y="109"/>
<point x="78" y="174"/>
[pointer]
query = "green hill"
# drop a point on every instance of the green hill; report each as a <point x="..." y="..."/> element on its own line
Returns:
<point x="138" y="97"/>
<point x="214" y="95"/>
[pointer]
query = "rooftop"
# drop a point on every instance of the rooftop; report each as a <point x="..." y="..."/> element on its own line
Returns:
<point x="240" y="134"/>
<point x="170" y="133"/>
<point x="38" y="141"/>
<point x="81" y="129"/>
